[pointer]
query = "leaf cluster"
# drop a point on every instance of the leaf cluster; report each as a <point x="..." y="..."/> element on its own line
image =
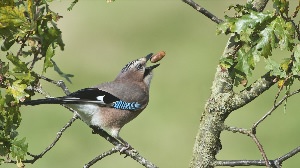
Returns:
<point x="258" y="35"/>
<point x="30" y="26"/>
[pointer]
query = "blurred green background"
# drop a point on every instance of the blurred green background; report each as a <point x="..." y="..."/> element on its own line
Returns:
<point x="101" y="38"/>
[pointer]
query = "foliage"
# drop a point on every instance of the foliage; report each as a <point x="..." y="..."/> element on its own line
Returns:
<point x="259" y="34"/>
<point x="31" y="27"/>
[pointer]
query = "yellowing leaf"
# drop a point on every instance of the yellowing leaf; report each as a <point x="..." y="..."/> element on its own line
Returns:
<point x="280" y="83"/>
<point x="12" y="16"/>
<point x="285" y="65"/>
<point x="17" y="90"/>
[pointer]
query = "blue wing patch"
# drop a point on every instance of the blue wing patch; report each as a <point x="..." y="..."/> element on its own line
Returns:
<point x="126" y="106"/>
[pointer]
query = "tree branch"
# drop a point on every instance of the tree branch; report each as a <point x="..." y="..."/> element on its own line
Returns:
<point x="273" y="163"/>
<point x="275" y="106"/>
<point x="254" y="138"/>
<point x="103" y="155"/>
<point x="128" y="152"/>
<point x="203" y="11"/>
<point x="253" y="91"/>
<point x="47" y="149"/>
<point x="258" y="5"/>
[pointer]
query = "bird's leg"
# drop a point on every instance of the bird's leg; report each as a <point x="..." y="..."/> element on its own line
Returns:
<point x="126" y="144"/>
<point x="103" y="133"/>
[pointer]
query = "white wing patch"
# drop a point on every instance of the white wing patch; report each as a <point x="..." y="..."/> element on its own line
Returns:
<point x="100" y="98"/>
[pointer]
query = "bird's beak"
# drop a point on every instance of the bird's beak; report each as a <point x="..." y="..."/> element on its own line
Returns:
<point x="150" y="68"/>
<point x="148" y="56"/>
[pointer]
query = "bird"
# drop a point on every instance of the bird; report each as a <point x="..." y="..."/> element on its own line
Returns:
<point x="111" y="105"/>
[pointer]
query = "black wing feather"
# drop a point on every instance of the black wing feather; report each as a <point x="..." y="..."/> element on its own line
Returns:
<point x="92" y="94"/>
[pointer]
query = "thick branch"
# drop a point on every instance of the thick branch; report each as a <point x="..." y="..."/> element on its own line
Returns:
<point x="216" y="111"/>
<point x="252" y="91"/>
<point x="207" y="142"/>
<point x="258" y="5"/>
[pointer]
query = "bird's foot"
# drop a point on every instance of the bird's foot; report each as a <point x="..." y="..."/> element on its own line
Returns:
<point x="125" y="147"/>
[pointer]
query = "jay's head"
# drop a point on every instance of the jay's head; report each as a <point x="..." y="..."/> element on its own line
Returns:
<point x="137" y="71"/>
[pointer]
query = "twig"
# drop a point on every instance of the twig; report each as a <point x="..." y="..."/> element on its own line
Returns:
<point x="23" y="43"/>
<point x="59" y="83"/>
<point x="128" y="152"/>
<point x="288" y="155"/>
<point x="275" y="106"/>
<point x="233" y="163"/>
<point x="254" y="138"/>
<point x="261" y="149"/>
<point x="35" y="58"/>
<point x="58" y="136"/>
<point x="278" y="93"/>
<point x="203" y="11"/>
<point x="103" y="155"/>
<point x="273" y="163"/>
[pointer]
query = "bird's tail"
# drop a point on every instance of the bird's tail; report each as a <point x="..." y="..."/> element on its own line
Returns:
<point x="44" y="101"/>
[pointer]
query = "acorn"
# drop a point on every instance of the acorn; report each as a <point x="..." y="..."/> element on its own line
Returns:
<point x="157" y="57"/>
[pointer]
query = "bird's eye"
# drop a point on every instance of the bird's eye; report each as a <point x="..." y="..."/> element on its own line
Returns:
<point x="139" y="66"/>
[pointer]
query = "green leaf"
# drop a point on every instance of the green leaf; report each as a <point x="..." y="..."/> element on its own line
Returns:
<point x="20" y="66"/>
<point x="285" y="64"/>
<point x="4" y="68"/>
<point x="50" y="36"/>
<point x="245" y="62"/>
<point x="278" y="33"/>
<point x="275" y="68"/>
<point x="222" y="27"/>
<point x="7" y="43"/>
<point x="226" y="62"/>
<point x="72" y="5"/>
<point x="296" y="63"/>
<point x="62" y="74"/>
<point x="284" y="31"/>
<point x="19" y="148"/>
<point x="248" y="21"/>
<point x="265" y="43"/>
<point x="49" y="54"/>
<point x="281" y="6"/>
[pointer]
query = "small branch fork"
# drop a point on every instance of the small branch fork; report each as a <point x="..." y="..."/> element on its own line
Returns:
<point x="275" y="106"/>
<point x="273" y="163"/>
<point x="47" y="149"/>
<point x="118" y="147"/>
<point x="252" y="133"/>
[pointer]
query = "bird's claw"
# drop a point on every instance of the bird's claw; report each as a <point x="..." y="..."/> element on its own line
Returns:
<point x="124" y="148"/>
